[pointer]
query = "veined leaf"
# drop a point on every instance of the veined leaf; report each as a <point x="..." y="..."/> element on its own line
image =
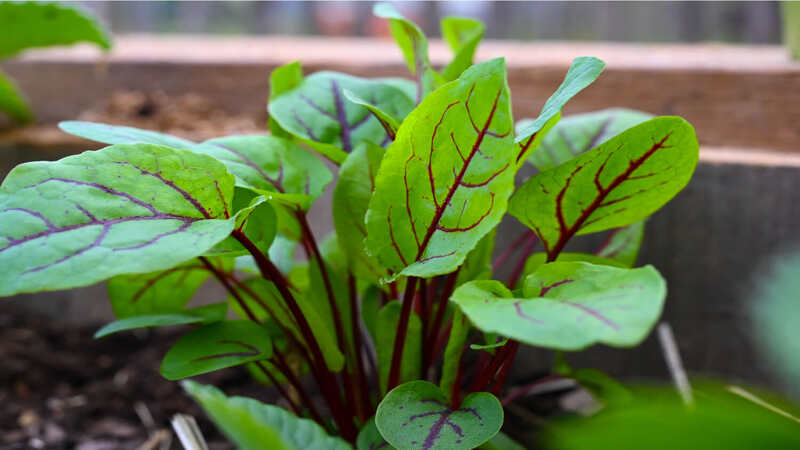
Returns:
<point x="258" y="221"/>
<point x="389" y="123"/>
<point x="128" y="209"/>
<point x="615" y="184"/>
<point x="163" y="292"/>
<point x="386" y="332"/>
<point x="37" y="24"/>
<point x="204" y="314"/>
<point x="350" y="202"/>
<point x="414" y="45"/>
<point x="319" y="115"/>
<point x="216" y="346"/>
<point x="537" y="260"/>
<point x="445" y="181"/>
<point x="478" y="263"/>
<point x="575" y="135"/>
<point x="416" y="415"/>
<point x="264" y="163"/>
<point x="253" y="425"/>
<point x="569" y="305"/>
<point x="462" y="36"/>
<point x="582" y="73"/>
<point x="624" y="243"/>
<point x="369" y="438"/>
<point x="263" y="298"/>
<point x="12" y="101"/>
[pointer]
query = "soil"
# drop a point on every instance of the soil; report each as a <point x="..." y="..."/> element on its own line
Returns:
<point x="62" y="389"/>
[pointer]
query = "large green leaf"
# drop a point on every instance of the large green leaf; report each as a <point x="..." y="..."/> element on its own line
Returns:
<point x="582" y="73"/>
<point x="350" y="202"/>
<point x="216" y="346"/>
<point x="389" y="122"/>
<point x="478" y="263"/>
<point x="615" y="184"/>
<point x="569" y="305"/>
<point x="537" y="260"/>
<point x="204" y="314"/>
<point x="319" y="115"/>
<point x="123" y="209"/>
<point x="163" y="292"/>
<point x="445" y="181"/>
<point x="252" y="425"/>
<point x="411" y="365"/>
<point x="34" y="24"/>
<point x="414" y="45"/>
<point x="575" y="135"/>
<point x="283" y="79"/>
<point x="12" y="101"/>
<point x="416" y="415"/>
<point x="462" y="36"/>
<point x="264" y="163"/>
<point x="263" y="298"/>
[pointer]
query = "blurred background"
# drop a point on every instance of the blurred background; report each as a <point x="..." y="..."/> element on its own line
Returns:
<point x="689" y="21"/>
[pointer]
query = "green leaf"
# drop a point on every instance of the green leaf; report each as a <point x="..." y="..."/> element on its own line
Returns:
<point x="350" y="202"/>
<point x="776" y="312"/>
<point x="253" y="425"/>
<point x="283" y="79"/>
<point x="369" y="438"/>
<point x="615" y="184"/>
<point x="203" y="314"/>
<point x="317" y="113"/>
<point x="216" y="346"/>
<point x="478" y="263"/>
<point x="163" y="292"/>
<point x="569" y="306"/>
<point x="500" y="441"/>
<point x="263" y="163"/>
<point x="462" y="36"/>
<point x="33" y="24"/>
<point x="659" y="419"/>
<point x="414" y="45"/>
<point x="416" y="415"/>
<point x="263" y="298"/>
<point x="123" y="209"/>
<point x="116" y="134"/>
<point x="575" y="135"/>
<point x="537" y="260"/>
<point x="411" y="365"/>
<point x="370" y="308"/>
<point x="582" y="73"/>
<point x="444" y="182"/>
<point x="12" y="101"/>
<point x="624" y="243"/>
<point x="452" y="353"/>
<point x="389" y="123"/>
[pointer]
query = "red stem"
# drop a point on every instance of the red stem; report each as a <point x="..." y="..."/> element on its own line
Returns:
<point x="400" y="335"/>
<point x="523" y="257"/>
<point x="224" y="280"/>
<point x="482" y="378"/>
<point x="508" y="251"/>
<point x="279" y="387"/>
<point x="441" y="308"/>
<point x="505" y="368"/>
<point x="524" y="390"/>
<point x="324" y="376"/>
<point x="281" y="364"/>
<point x="355" y="319"/>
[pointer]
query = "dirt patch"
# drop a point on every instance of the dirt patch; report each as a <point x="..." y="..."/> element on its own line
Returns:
<point x="61" y="389"/>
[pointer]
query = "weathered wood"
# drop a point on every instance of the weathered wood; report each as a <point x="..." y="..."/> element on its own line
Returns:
<point x="738" y="96"/>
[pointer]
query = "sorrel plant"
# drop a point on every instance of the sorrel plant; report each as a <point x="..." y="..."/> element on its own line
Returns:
<point x="401" y="295"/>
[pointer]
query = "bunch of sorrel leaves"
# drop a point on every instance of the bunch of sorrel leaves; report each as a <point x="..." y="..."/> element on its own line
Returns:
<point x="382" y="314"/>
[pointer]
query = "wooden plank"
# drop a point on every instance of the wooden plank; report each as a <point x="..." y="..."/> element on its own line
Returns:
<point x="737" y="96"/>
